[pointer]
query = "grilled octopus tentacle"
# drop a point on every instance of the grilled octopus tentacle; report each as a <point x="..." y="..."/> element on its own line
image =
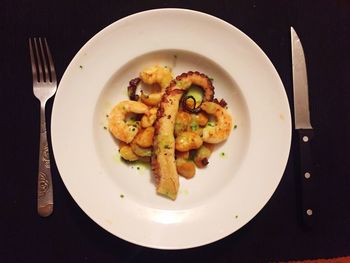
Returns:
<point x="163" y="157"/>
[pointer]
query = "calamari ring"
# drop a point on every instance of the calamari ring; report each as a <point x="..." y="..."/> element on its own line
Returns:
<point x="163" y="155"/>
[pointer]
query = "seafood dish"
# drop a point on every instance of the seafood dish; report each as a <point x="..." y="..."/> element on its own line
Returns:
<point x="174" y="128"/>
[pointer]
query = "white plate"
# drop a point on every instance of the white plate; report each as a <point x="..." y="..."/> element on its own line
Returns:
<point x="219" y="199"/>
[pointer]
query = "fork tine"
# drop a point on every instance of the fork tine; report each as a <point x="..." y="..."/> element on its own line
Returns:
<point x="44" y="61"/>
<point x="36" y="51"/>
<point x="51" y="64"/>
<point x="32" y="59"/>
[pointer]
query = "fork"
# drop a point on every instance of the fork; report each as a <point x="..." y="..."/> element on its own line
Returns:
<point x="44" y="87"/>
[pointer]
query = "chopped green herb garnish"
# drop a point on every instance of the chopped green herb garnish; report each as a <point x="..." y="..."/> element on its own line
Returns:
<point x="222" y="154"/>
<point x="107" y="115"/>
<point x="211" y="79"/>
<point x="211" y="124"/>
<point x="121" y="196"/>
<point x="138" y="167"/>
<point x="235" y="127"/>
<point x="167" y="146"/>
<point x="194" y="126"/>
<point x="236" y="216"/>
<point x="133" y="129"/>
<point x="104" y="127"/>
<point x="81" y="66"/>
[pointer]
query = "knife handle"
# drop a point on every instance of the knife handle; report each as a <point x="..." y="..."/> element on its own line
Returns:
<point x="306" y="178"/>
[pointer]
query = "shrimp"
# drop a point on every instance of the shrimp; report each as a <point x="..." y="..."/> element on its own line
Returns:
<point x="155" y="75"/>
<point x="116" y="120"/>
<point x="221" y="130"/>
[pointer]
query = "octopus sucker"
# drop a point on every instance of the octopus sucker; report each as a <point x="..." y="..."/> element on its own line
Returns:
<point x="163" y="156"/>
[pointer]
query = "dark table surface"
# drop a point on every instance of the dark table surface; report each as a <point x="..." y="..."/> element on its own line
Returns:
<point x="274" y="234"/>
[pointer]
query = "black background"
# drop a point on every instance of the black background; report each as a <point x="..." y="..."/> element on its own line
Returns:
<point x="274" y="234"/>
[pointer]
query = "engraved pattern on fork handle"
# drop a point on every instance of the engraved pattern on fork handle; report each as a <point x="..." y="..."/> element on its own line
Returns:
<point x="45" y="192"/>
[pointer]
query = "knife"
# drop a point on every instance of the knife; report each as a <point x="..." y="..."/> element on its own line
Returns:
<point x="304" y="135"/>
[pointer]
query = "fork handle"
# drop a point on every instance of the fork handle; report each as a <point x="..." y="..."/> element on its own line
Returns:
<point x="45" y="193"/>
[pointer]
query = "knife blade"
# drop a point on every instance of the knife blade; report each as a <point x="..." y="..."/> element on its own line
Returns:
<point x="304" y="134"/>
